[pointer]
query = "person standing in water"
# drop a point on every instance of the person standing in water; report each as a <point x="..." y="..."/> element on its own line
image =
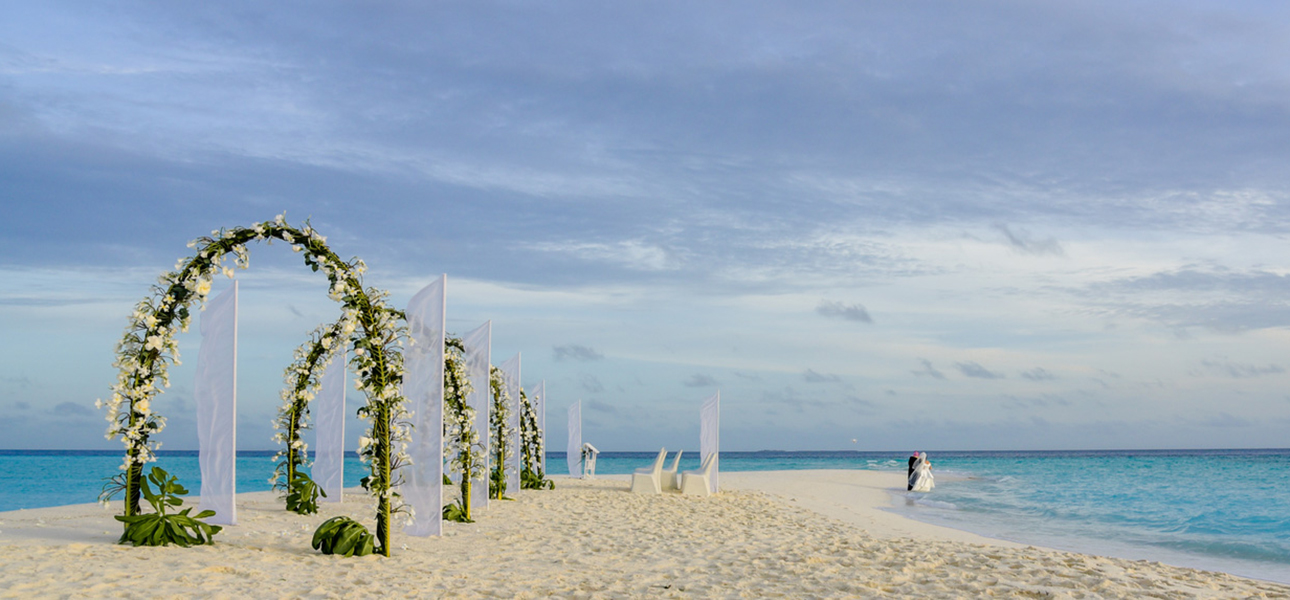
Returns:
<point x="909" y="476"/>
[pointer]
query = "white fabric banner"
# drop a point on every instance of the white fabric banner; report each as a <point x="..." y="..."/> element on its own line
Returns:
<point x="329" y="428"/>
<point x="478" y="346"/>
<point x="423" y="388"/>
<point x="710" y="434"/>
<point x="538" y="397"/>
<point x="215" y="394"/>
<point x="511" y="369"/>
<point x="575" y="440"/>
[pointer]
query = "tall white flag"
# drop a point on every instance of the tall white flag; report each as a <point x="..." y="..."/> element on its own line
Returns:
<point x="478" y="357"/>
<point x="538" y="397"/>
<point x="423" y="388"/>
<point x="575" y="440"/>
<point x="511" y="369"/>
<point x="329" y="428"/>
<point x="215" y="393"/>
<point x="710" y="434"/>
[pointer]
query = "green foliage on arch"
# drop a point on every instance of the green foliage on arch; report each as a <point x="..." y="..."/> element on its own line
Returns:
<point x="499" y="418"/>
<point x="532" y="445"/>
<point x="464" y="446"/>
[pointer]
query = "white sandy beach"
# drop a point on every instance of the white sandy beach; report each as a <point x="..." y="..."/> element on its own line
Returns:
<point x="768" y="534"/>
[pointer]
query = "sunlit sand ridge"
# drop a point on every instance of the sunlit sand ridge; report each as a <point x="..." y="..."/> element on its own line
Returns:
<point x="768" y="534"/>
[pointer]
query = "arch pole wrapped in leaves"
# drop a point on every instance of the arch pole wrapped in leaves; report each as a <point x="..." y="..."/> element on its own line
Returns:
<point x="532" y="442"/>
<point x="465" y="449"/>
<point x="149" y="346"/>
<point x="499" y="418"/>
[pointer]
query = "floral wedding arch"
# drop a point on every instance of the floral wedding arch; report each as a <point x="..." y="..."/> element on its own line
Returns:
<point x="368" y="326"/>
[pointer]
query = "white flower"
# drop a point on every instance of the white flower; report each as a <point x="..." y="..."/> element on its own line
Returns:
<point x="364" y="442"/>
<point x="203" y="287"/>
<point x="155" y="342"/>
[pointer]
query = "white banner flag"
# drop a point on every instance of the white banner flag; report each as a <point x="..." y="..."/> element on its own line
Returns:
<point x="423" y="388"/>
<point x="215" y="393"/>
<point x="511" y="369"/>
<point x="478" y="357"/>
<point x="710" y="434"/>
<point x="538" y="398"/>
<point x="329" y="428"/>
<point x="575" y="440"/>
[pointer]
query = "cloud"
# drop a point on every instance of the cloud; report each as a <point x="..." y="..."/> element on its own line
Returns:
<point x="928" y="370"/>
<point x="1214" y="297"/>
<point x="861" y="406"/>
<point x="748" y="376"/>
<point x="22" y="405"/>
<point x="1241" y="370"/>
<point x="1038" y="374"/>
<point x="1225" y="420"/>
<point x="590" y="384"/>
<point x="700" y="380"/>
<point x="601" y="407"/>
<point x="1022" y="242"/>
<point x="633" y="254"/>
<point x="810" y="376"/>
<point x="789" y="397"/>
<point x="972" y="369"/>
<point x="838" y="310"/>
<point x="295" y="311"/>
<point x="576" y="352"/>
<point x="71" y="409"/>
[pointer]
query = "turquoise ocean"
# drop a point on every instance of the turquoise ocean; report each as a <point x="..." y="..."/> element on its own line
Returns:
<point x="1225" y="510"/>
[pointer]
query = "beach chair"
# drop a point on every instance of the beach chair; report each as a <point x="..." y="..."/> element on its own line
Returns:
<point x="699" y="482"/>
<point x="647" y="481"/>
<point x="669" y="481"/>
<point x="589" y="454"/>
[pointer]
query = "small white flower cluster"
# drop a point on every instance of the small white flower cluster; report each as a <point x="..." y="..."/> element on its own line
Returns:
<point x="499" y="419"/>
<point x="378" y="361"/>
<point x="465" y="450"/>
<point x="148" y="347"/>
<point x="531" y="438"/>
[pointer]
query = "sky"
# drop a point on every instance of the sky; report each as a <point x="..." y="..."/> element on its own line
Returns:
<point x="869" y="225"/>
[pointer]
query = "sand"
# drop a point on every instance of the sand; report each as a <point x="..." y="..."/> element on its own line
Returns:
<point x="793" y="534"/>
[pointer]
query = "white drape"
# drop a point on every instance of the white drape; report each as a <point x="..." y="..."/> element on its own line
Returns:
<point x="423" y="388"/>
<point x="538" y="396"/>
<point x="215" y="394"/>
<point x="511" y="369"/>
<point x="575" y="440"/>
<point x="710" y="434"/>
<point x="478" y="346"/>
<point x="329" y="429"/>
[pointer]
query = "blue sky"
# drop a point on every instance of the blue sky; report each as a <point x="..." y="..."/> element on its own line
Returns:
<point x="940" y="225"/>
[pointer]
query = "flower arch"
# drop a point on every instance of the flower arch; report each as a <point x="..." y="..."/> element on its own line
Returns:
<point x="148" y="347"/>
<point x="302" y="384"/>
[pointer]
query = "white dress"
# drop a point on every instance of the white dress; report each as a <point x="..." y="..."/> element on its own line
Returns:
<point x="922" y="480"/>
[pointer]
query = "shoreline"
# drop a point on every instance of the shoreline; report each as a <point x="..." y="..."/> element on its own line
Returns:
<point x="793" y="533"/>
<point x="873" y="503"/>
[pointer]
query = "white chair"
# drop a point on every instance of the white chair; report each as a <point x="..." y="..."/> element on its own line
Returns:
<point x="669" y="481"/>
<point x="646" y="481"/>
<point x="589" y="454"/>
<point x="699" y="482"/>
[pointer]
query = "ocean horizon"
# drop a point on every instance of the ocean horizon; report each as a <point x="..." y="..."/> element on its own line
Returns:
<point x="1217" y="509"/>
